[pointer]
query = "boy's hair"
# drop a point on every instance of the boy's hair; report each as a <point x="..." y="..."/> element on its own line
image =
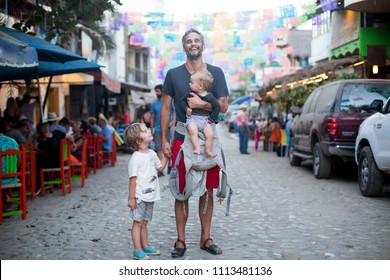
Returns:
<point x="204" y="77"/>
<point x="132" y="135"/>
<point x="191" y="30"/>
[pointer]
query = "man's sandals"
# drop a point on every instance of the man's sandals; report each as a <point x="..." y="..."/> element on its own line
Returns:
<point x="178" y="252"/>
<point x="212" y="249"/>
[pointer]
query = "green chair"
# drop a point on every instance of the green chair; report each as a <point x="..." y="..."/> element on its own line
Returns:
<point x="49" y="177"/>
<point x="13" y="182"/>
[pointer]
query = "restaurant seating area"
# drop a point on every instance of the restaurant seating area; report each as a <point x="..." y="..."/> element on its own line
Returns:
<point x="20" y="182"/>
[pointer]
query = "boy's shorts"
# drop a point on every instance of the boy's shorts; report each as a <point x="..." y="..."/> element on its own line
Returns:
<point x="142" y="212"/>
<point x="212" y="178"/>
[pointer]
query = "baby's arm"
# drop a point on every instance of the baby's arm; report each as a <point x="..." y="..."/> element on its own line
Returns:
<point x="216" y="109"/>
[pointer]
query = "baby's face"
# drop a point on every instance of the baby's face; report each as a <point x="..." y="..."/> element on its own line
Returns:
<point x="195" y="84"/>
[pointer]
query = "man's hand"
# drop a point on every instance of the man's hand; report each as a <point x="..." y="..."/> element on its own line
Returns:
<point x="196" y="102"/>
<point x="166" y="148"/>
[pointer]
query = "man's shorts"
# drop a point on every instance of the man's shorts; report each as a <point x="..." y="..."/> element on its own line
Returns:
<point x="212" y="178"/>
<point x="157" y="139"/>
<point x="142" y="212"/>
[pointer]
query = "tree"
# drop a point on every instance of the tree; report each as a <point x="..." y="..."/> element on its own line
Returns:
<point x="62" y="19"/>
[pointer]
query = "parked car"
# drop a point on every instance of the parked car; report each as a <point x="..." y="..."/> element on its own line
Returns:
<point x="372" y="150"/>
<point x="326" y="129"/>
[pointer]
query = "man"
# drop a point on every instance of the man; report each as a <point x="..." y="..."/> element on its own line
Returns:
<point x="175" y="86"/>
<point x="243" y="130"/>
<point x="155" y="109"/>
<point x="52" y="119"/>
<point x="20" y="132"/>
<point x="106" y="134"/>
<point x="93" y="127"/>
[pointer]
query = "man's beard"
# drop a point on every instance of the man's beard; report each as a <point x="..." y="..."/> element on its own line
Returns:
<point x="195" y="56"/>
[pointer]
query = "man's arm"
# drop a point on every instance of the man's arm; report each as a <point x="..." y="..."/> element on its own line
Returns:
<point x="164" y="121"/>
<point x="196" y="102"/>
<point x="152" y="120"/>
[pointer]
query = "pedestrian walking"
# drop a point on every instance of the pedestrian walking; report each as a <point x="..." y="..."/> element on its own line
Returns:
<point x="243" y="130"/>
<point x="155" y="110"/>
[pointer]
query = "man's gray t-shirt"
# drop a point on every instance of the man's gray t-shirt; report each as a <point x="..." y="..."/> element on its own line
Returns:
<point x="177" y="84"/>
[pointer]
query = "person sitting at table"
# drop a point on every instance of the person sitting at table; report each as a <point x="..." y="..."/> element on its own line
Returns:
<point x="52" y="119"/>
<point x="20" y="132"/>
<point x="78" y="137"/>
<point x="49" y="145"/>
<point x="93" y="127"/>
<point x="106" y="134"/>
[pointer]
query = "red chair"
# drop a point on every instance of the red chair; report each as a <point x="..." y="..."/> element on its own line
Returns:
<point x="99" y="151"/>
<point x="92" y="156"/>
<point x="60" y="175"/>
<point x="79" y="170"/>
<point x="30" y="170"/>
<point x="13" y="180"/>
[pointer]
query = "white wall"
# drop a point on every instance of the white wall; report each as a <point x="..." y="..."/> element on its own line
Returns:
<point x="320" y="48"/>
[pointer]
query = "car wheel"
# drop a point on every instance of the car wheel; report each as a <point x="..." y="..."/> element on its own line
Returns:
<point x="293" y="159"/>
<point x="371" y="179"/>
<point x="321" y="163"/>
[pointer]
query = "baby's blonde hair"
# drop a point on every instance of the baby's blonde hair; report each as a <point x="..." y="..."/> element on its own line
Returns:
<point x="204" y="77"/>
<point x="132" y="135"/>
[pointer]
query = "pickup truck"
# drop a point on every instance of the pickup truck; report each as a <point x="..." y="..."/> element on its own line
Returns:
<point x="372" y="150"/>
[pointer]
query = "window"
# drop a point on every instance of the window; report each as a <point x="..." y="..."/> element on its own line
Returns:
<point x="316" y="95"/>
<point x="326" y="100"/>
<point x="138" y="65"/>
<point x="357" y="98"/>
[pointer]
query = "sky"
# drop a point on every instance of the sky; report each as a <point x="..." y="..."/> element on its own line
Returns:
<point x="203" y="6"/>
<point x="239" y="33"/>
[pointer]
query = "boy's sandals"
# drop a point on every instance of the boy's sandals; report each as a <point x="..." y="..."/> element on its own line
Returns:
<point x="212" y="249"/>
<point x="140" y="255"/>
<point x="178" y="252"/>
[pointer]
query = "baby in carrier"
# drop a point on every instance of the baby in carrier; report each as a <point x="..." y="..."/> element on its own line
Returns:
<point x="200" y="120"/>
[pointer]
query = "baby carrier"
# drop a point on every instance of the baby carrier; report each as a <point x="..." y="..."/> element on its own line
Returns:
<point x="196" y="168"/>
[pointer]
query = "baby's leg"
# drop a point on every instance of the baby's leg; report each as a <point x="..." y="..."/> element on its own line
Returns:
<point x="209" y="134"/>
<point x="193" y="131"/>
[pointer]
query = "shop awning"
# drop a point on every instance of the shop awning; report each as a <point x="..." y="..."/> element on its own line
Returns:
<point x="311" y="71"/>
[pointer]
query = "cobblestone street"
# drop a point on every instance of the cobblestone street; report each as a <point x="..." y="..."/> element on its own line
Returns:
<point x="277" y="212"/>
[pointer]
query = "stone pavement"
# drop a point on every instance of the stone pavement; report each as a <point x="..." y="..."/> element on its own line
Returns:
<point x="277" y="212"/>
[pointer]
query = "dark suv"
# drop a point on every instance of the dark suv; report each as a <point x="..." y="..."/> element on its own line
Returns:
<point x="326" y="129"/>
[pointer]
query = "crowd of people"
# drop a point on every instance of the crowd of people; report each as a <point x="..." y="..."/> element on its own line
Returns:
<point x="17" y="123"/>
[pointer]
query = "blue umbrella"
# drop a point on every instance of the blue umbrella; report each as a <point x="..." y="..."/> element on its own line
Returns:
<point x="16" y="59"/>
<point x="45" y="50"/>
<point x="242" y="100"/>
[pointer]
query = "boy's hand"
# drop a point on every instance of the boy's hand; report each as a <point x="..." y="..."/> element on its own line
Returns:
<point x="132" y="203"/>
